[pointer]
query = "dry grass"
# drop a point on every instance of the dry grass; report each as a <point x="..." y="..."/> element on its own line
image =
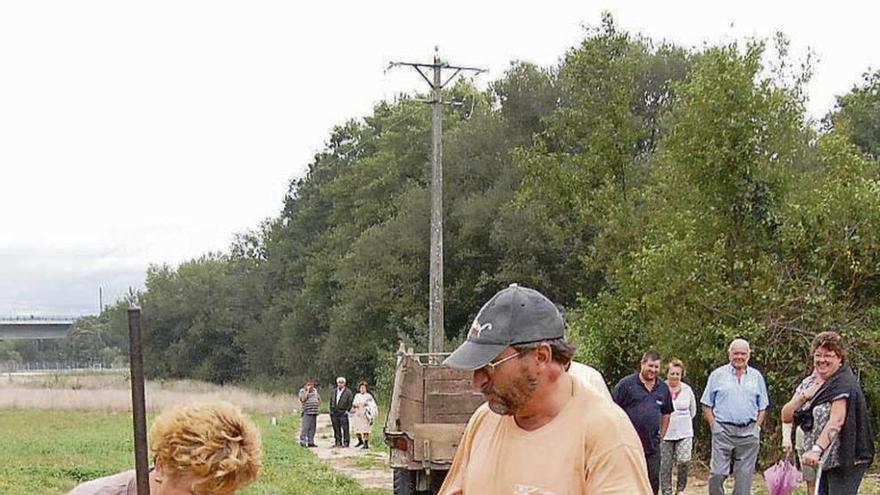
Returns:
<point x="111" y="392"/>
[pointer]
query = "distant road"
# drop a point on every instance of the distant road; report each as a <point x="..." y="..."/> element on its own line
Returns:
<point x="69" y="371"/>
<point x="41" y="329"/>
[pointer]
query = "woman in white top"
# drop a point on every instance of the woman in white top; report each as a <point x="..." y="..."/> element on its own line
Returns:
<point x="676" y="447"/>
<point x="363" y="410"/>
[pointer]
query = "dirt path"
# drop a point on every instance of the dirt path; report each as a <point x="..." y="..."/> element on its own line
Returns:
<point x="368" y="467"/>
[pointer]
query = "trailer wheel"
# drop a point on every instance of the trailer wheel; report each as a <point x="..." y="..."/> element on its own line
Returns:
<point x="404" y="482"/>
<point x="437" y="478"/>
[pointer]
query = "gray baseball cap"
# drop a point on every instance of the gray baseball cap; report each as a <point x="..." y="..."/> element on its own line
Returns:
<point x="515" y="315"/>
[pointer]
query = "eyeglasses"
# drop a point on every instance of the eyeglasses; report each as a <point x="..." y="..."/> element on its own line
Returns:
<point x="491" y="367"/>
<point x="830" y="355"/>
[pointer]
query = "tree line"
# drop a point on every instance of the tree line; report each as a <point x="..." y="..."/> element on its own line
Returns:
<point x="667" y="197"/>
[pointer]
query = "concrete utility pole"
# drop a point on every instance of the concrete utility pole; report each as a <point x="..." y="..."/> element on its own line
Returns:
<point x="435" y="312"/>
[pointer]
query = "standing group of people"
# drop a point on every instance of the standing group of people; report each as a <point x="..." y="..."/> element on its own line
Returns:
<point x="348" y="411"/>
<point x="734" y="405"/>
<point x="828" y="407"/>
<point x="661" y="413"/>
<point x="548" y="426"/>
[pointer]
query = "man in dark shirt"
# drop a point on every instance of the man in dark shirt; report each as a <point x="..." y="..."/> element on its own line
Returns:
<point x="340" y="405"/>
<point x="648" y="403"/>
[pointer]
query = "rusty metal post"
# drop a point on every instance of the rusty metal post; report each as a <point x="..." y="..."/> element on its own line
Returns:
<point x="138" y="404"/>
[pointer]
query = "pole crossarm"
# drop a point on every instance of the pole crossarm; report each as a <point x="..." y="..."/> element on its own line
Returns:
<point x="442" y="65"/>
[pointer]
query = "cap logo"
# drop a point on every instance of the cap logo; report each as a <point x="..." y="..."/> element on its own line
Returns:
<point x="477" y="329"/>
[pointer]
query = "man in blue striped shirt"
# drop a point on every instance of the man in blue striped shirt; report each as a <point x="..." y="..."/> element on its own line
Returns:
<point x="734" y="403"/>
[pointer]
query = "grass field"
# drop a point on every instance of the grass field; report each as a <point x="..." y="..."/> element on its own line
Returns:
<point x="58" y="430"/>
<point x="111" y="392"/>
<point x="48" y="452"/>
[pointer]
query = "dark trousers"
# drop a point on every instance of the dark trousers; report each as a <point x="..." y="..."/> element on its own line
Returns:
<point x="340" y="428"/>
<point x="653" y="461"/>
<point x="842" y="480"/>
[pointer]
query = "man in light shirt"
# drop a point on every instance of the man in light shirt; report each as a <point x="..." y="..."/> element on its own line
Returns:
<point x="591" y="377"/>
<point x="734" y="404"/>
<point x="541" y="430"/>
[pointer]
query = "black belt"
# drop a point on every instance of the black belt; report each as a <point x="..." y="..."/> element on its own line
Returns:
<point x="738" y="425"/>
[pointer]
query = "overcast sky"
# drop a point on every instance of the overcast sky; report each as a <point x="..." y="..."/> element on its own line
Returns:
<point x="151" y="132"/>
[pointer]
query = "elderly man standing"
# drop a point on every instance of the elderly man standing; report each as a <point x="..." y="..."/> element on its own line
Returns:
<point x="541" y="430"/>
<point x="734" y="404"/>
<point x="340" y="404"/>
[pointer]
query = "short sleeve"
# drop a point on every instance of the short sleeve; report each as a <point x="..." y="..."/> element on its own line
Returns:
<point x="708" y="398"/>
<point x="618" y="470"/>
<point x="667" y="407"/>
<point x="618" y="394"/>
<point x="692" y="403"/>
<point x="763" y="398"/>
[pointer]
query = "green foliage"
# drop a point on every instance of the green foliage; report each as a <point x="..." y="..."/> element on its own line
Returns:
<point x="8" y="354"/>
<point x="584" y="172"/>
<point x="740" y="241"/>
<point x="857" y="114"/>
<point x="193" y="317"/>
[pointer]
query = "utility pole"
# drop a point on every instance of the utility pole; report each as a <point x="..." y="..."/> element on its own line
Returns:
<point x="436" y="335"/>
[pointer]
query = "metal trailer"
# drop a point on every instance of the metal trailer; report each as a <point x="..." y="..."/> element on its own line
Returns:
<point x="430" y="407"/>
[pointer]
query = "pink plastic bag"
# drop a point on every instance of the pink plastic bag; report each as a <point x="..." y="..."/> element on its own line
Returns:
<point x="782" y="478"/>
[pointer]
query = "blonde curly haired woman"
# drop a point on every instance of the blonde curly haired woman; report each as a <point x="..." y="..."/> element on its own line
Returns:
<point x="199" y="449"/>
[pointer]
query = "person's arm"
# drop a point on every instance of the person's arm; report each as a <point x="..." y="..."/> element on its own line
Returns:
<point x="829" y="433"/>
<point x="693" y="405"/>
<point x="798" y="400"/>
<point x="664" y="425"/>
<point x="763" y="401"/>
<point x="787" y="413"/>
<point x="709" y="414"/>
<point x="666" y="409"/>
<point x="708" y="401"/>
<point x="787" y="417"/>
<point x="618" y="394"/>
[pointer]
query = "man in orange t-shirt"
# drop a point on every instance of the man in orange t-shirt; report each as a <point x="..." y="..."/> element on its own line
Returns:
<point x="541" y="432"/>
